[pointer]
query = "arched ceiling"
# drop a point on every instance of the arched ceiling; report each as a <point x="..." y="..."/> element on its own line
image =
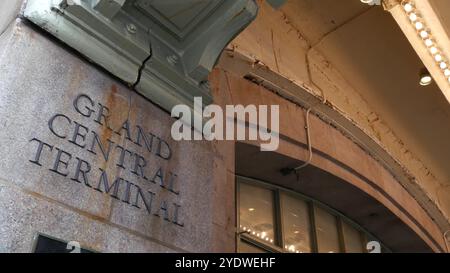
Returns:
<point x="368" y="48"/>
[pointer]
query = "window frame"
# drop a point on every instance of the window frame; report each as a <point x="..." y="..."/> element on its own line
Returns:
<point x="279" y="240"/>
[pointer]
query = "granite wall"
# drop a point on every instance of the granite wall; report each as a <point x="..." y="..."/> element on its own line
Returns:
<point x="85" y="158"/>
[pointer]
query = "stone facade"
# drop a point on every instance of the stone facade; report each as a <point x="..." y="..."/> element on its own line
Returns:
<point x="86" y="158"/>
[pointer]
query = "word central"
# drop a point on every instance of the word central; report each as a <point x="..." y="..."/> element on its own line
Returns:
<point x="121" y="155"/>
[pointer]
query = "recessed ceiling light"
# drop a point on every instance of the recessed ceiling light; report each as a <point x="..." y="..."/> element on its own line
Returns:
<point x="425" y="78"/>
<point x="251" y="209"/>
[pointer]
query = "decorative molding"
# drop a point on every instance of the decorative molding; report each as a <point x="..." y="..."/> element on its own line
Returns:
<point x="424" y="30"/>
<point x="165" y="49"/>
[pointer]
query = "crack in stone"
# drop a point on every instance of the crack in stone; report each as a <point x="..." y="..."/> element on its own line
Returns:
<point x="141" y="68"/>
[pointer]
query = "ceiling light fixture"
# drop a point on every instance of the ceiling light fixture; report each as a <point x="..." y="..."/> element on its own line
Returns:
<point x="425" y="78"/>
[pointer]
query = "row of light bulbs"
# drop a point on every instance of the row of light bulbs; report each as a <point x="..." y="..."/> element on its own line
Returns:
<point x="424" y="33"/>
<point x="292" y="249"/>
<point x="262" y="235"/>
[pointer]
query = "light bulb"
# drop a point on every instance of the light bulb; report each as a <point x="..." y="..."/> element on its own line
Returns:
<point x="408" y="7"/>
<point x="419" y="25"/>
<point x="425" y="80"/>
<point x="428" y="42"/>
<point x="424" y="34"/>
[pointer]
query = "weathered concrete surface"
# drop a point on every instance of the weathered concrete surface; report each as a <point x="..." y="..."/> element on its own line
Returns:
<point x="41" y="78"/>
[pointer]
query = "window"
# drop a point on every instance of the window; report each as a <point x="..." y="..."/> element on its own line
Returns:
<point x="272" y="219"/>
<point x="353" y="238"/>
<point x="326" y="231"/>
<point x="296" y="224"/>
<point x="256" y="208"/>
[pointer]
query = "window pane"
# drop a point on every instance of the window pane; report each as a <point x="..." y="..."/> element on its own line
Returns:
<point x="327" y="232"/>
<point x="256" y="212"/>
<point x="245" y="247"/>
<point x="296" y="224"/>
<point x="352" y="239"/>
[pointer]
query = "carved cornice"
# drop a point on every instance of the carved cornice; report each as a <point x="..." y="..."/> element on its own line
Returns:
<point x="165" y="49"/>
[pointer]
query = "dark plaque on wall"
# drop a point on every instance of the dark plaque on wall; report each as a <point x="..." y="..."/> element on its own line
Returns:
<point x="45" y="244"/>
